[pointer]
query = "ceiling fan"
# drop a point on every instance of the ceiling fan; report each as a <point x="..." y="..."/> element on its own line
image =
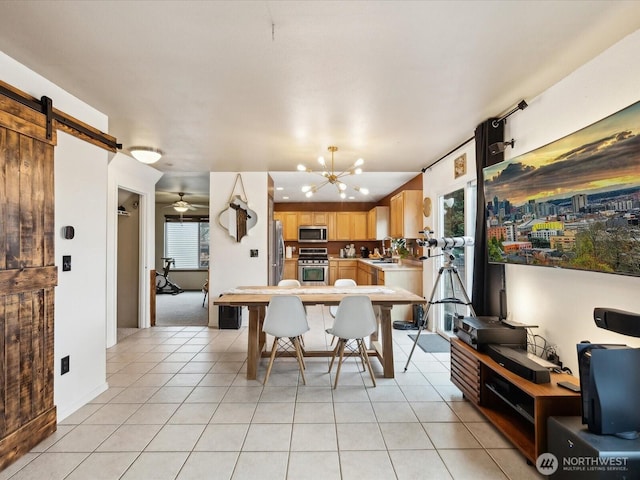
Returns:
<point x="182" y="205"/>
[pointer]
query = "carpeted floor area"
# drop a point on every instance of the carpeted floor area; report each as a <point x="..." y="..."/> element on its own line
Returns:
<point x="184" y="309"/>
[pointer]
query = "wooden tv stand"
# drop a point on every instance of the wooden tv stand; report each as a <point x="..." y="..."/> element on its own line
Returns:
<point x="516" y="407"/>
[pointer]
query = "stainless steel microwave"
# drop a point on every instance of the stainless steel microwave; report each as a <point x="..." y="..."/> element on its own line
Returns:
<point x="312" y="233"/>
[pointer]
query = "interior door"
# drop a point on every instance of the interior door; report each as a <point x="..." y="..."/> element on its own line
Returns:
<point x="27" y="279"/>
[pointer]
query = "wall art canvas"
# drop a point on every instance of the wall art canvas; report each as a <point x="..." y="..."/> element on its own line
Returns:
<point x="573" y="203"/>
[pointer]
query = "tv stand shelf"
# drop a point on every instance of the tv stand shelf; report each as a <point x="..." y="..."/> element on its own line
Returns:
<point x="516" y="407"/>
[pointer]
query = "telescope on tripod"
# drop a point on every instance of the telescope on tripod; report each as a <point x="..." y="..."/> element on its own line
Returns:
<point x="448" y="271"/>
<point x="445" y="243"/>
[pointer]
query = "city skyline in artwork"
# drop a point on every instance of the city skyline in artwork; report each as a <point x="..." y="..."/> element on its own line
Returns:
<point x="573" y="203"/>
<point x="601" y="157"/>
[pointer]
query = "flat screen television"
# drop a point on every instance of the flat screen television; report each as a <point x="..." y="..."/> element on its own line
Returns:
<point x="573" y="203"/>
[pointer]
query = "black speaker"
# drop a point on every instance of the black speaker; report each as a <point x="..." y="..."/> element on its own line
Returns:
<point x="618" y="321"/>
<point x="516" y="361"/>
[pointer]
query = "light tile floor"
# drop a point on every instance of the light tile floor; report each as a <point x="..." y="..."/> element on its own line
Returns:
<point x="179" y="407"/>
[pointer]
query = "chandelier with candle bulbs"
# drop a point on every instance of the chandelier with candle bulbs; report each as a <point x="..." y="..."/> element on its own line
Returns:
<point x="333" y="178"/>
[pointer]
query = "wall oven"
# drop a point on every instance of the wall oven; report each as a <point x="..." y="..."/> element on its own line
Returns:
<point x="313" y="266"/>
<point x="312" y="234"/>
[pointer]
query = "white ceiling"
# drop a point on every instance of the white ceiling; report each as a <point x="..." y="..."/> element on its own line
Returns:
<point x="265" y="85"/>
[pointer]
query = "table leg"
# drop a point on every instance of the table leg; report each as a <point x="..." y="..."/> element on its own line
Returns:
<point x="387" y="341"/>
<point x="253" y="339"/>
<point x="374" y="335"/>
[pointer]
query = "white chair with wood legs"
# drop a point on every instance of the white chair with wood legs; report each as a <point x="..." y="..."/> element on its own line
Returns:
<point x="292" y="282"/>
<point x="341" y="282"/>
<point x="355" y="319"/>
<point x="285" y="320"/>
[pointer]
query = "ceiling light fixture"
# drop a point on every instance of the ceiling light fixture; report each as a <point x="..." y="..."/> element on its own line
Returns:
<point x="146" y="154"/>
<point x="333" y="178"/>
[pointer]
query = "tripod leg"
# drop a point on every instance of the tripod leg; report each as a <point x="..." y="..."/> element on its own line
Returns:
<point x="464" y="292"/>
<point x="424" y="317"/>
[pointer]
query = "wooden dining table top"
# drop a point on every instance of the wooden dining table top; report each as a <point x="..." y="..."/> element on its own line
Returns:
<point x="317" y="295"/>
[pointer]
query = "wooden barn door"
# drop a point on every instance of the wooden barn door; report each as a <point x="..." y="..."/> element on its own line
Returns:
<point x="27" y="280"/>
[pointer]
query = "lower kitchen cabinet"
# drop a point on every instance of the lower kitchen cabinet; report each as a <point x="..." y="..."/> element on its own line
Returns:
<point x="290" y="269"/>
<point x="343" y="269"/>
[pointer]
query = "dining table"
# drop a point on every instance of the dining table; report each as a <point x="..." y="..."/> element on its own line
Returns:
<point x="257" y="298"/>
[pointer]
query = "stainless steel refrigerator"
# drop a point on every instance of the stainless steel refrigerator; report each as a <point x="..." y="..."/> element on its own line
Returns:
<point x="276" y="253"/>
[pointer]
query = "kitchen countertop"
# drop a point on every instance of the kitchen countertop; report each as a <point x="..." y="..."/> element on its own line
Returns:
<point x="406" y="265"/>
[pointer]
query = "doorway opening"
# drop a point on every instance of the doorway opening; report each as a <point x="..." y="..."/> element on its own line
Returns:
<point x="183" y="253"/>
<point x="128" y="263"/>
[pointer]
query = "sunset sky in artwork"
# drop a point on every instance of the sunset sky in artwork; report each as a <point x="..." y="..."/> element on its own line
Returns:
<point x="603" y="156"/>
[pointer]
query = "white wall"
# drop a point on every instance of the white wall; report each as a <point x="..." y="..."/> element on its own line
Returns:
<point x="127" y="173"/>
<point x="80" y="200"/>
<point x="230" y="263"/>
<point x="80" y="294"/>
<point x="562" y="301"/>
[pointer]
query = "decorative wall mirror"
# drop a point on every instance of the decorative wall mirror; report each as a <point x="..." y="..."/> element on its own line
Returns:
<point x="237" y="218"/>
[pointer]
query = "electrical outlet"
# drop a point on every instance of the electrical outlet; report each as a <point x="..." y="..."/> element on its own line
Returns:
<point x="253" y="252"/>
<point x="64" y="365"/>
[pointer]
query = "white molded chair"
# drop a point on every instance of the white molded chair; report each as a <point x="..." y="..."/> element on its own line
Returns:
<point x="355" y="319"/>
<point x="292" y="282"/>
<point x="341" y="282"/>
<point x="286" y="320"/>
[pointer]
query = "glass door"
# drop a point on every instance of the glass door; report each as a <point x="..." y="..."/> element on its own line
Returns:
<point x="452" y="222"/>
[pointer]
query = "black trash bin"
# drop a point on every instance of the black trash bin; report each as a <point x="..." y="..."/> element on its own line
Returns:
<point x="418" y="314"/>
<point x="229" y="317"/>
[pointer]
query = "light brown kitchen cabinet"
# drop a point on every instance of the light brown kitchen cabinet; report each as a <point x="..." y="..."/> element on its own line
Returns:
<point x="289" y="226"/>
<point x="312" y="218"/>
<point x="289" y="222"/>
<point x="331" y="226"/>
<point x="351" y="226"/>
<point x="359" y="223"/>
<point x="378" y="223"/>
<point x="343" y="226"/>
<point x="305" y="218"/>
<point x="406" y="214"/>
<point x="319" y="218"/>
<point x="347" y="269"/>
<point x="290" y="269"/>
<point x="333" y="271"/>
<point x="367" y="274"/>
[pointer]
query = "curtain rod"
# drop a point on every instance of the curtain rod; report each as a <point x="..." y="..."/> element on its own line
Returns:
<point x="447" y="154"/>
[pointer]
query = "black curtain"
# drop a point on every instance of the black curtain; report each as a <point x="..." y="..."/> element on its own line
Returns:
<point x="488" y="279"/>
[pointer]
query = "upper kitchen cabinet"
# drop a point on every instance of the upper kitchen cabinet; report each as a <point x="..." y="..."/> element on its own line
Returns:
<point x="406" y="214"/>
<point x="351" y="226"/>
<point x="331" y="225"/>
<point x="289" y="225"/>
<point x="312" y="218"/>
<point x="378" y="223"/>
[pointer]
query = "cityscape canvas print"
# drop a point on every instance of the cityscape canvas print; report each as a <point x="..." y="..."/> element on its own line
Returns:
<point x="574" y="203"/>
